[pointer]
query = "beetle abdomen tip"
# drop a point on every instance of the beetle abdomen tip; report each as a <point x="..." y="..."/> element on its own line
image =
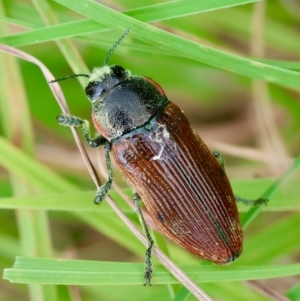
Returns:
<point x="234" y="257"/>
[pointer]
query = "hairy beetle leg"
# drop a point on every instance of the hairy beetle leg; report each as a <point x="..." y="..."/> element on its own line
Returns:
<point x="103" y="190"/>
<point x="257" y="202"/>
<point x="260" y="201"/>
<point x="70" y="120"/>
<point x="148" y="268"/>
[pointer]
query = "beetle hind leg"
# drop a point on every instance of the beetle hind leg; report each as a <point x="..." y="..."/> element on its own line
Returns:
<point x="103" y="190"/>
<point x="148" y="268"/>
<point x="219" y="158"/>
<point x="257" y="202"/>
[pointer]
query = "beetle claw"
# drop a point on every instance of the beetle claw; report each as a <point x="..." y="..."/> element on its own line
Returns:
<point x="99" y="197"/>
<point x="261" y="201"/>
<point x="148" y="269"/>
<point x="147" y="276"/>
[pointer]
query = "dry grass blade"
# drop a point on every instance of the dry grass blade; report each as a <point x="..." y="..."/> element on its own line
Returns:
<point x="57" y="92"/>
<point x="267" y="291"/>
<point x="249" y="153"/>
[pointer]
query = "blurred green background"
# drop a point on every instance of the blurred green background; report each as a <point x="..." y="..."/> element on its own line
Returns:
<point x="254" y="123"/>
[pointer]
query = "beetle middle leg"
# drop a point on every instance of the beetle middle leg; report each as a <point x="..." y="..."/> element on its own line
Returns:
<point x="257" y="202"/>
<point x="148" y="268"/>
<point x="103" y="190"/>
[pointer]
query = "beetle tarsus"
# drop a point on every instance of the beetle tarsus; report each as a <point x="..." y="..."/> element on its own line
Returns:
<point x="97" y="141"/>
<point x="93" y="142"/>
<point x="148" y="268"/>
<point x="103" y="190"/>
<point x="147" y="277"/>
<point x="258" y="202"/>
<point x="69" y="120"/>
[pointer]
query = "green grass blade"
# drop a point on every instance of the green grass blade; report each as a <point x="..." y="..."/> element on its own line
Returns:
<point x="181" y="8"/>
<point x="157" y="12"/>
<point x="17" y="162"/>
<point x="184" y="47"/>
<point x="253" y="212"/>
<point x="78" y="272"/>
<point x="294" y="293"/>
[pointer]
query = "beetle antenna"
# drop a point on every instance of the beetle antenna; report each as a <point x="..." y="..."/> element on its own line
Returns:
<point x="66" y="77"/>
<point x="116" y="45"/>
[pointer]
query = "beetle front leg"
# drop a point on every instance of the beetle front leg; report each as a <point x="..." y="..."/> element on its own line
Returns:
<point x="70" y="120"/>
<point x="103" y="190"/>
<point x="148" y="268"/>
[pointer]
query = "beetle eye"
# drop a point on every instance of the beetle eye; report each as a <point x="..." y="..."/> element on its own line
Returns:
<point x="94" y="90"/>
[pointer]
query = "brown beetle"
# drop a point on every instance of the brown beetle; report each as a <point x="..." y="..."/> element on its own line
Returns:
<point x="182" y="184"/>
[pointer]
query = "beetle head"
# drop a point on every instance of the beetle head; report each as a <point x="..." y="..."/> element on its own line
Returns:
<point x="103" y="79"/>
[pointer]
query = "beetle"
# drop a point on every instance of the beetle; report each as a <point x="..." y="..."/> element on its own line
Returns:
<point x="181" y="182"/>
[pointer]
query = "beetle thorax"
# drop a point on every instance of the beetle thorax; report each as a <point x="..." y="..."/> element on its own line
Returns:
<point x="121" y="102"/>
<point x="120" y="112"/>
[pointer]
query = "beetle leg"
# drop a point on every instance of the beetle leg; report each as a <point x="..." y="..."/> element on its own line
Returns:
<point x="103" y="190"/>
<point x="69" y="120"/>
<point x="148" y="269"/>
<point x="219" y="158"/>
<point x="257" y="202"/>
